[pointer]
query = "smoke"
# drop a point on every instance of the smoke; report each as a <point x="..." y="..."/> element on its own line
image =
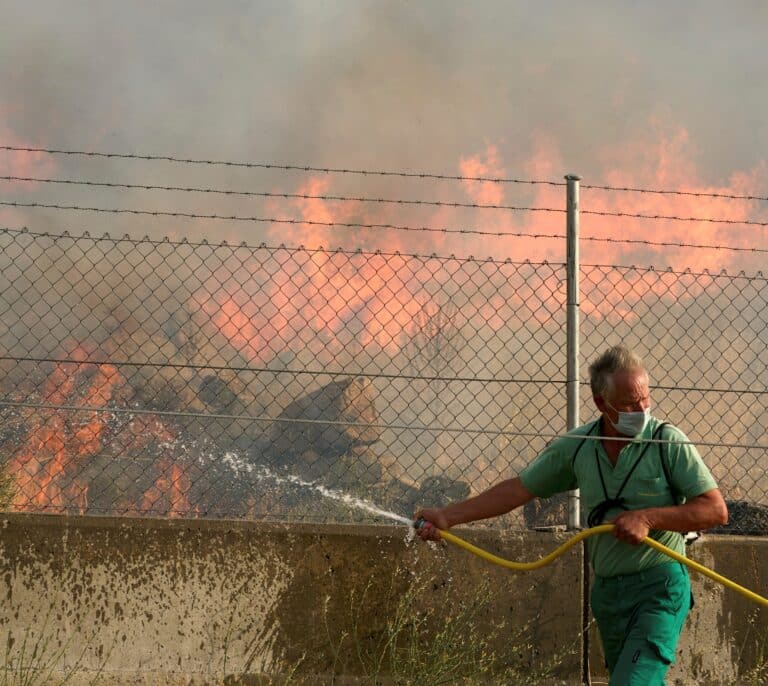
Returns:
<point x="530" y="90"/>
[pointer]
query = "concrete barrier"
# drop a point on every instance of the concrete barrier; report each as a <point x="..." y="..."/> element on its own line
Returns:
<point x="190" y="601"/>
<point x="171" y="601"/>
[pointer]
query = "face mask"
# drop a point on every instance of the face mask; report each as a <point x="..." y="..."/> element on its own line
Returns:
<point x="630" y="423"/>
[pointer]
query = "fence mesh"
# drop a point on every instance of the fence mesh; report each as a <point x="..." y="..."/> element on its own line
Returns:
<point x="176" y="379"/>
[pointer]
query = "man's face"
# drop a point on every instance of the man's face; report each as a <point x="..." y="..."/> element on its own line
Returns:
<point x="627" y="392"/>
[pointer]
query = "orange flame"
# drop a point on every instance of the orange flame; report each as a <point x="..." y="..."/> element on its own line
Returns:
<point x="325" y="296"/>
<point x="170" y="493"/>
<point x="48" y="468"/>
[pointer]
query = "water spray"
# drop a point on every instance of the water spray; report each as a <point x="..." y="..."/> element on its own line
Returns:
<point x="359" y="503"/>
<point x="586" y="533"/>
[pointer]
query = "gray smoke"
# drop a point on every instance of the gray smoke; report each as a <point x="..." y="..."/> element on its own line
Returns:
<point x="371" y="85"/>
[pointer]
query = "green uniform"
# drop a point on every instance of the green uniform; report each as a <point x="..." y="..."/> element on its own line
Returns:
<point x="640" y="617"/>
<point x="640" y="598"/>
<point x="559" y="469"/>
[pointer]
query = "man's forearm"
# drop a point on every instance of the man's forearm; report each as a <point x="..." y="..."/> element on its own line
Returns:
<point x="702" y="512"/>
<point x="498" y="500"/>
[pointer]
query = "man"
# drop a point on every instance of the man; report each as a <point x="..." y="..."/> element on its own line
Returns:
<point x="640" y="597"/>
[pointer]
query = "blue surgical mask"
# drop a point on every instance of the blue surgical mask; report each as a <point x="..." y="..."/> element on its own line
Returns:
<point x="630" y="423"/>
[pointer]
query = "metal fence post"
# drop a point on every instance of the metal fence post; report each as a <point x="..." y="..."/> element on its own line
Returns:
<point x="572" y="325"/>
<point x="572" y="387"/>
<point x="572" y="392"/>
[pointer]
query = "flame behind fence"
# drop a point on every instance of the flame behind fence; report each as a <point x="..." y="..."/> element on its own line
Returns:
<point x="155" y="378"/>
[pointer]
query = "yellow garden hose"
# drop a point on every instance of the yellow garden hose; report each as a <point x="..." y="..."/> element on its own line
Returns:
<point x="586" y="533"/>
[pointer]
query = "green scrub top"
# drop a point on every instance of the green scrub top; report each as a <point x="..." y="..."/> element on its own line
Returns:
<point x="559" y="468"/>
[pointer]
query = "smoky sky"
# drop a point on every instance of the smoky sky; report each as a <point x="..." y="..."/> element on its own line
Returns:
<point x="375" y="85"/>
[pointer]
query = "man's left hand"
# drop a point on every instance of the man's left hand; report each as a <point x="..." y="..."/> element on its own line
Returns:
<point x="631" y="527"/>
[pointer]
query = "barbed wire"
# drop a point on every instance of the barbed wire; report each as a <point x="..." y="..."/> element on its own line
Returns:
<point x="659" y="191"/>
<point x="284" y="167"/>
<point x="396" y="201"/>
<point x="339" y="373"/>
<point x="394" y="227"/>
<point x="365" y="172"/>
<point x="670" y="217"/>
<point x="276" y="220"/>
<point x="370" y="425"/>
<point x="287" y="196"/>
<point x="758" y="276"/>
<point x="126" y="238"/>
<point x="671" y="244"/>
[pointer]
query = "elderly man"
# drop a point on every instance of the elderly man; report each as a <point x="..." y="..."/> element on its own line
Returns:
<point x="645" y="477"/>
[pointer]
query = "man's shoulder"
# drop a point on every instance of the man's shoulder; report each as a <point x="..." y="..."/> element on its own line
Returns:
<point x="575" y="437"/>
<point x="676" y="446"/>
<point x="665" y="429"/>
<point x="591" y="427"/>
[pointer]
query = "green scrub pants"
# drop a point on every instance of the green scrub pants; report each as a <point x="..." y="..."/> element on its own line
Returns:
<point x="640" y="617"/>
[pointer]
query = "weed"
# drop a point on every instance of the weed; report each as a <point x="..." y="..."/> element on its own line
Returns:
<point x="757" y="674"/>
<point x="440" y="646"/>
<point x="418" y="643"/>
<point x="7" y="488"/>
<point x="37" y="660"/>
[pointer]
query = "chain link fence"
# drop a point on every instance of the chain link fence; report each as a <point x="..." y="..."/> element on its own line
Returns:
<point x="162" y="378"/>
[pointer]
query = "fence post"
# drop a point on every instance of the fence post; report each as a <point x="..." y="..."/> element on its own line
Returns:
<point x="572" y="325"/>
<point x="572" y="391"/>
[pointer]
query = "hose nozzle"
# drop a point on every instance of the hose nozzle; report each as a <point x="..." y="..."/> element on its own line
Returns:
<point x="417" y="524"/>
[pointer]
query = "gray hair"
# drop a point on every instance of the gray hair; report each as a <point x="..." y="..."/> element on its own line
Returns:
<point x="617" y="358"/>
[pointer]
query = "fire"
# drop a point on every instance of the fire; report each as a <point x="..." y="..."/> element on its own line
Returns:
<point x="323" y="298"/>
<point x="317" y="296"/>
<point x="39" y="468"/>
<point x="169" y="493"/>
<point x="663" y="161"/>
<point x="489" y="166"/>
<point x="331" y="300"/>
<point x="327" y="302"/>
<point x="50" y="467"/>
<point x="43" y="467"/>
<point x="668" y="165"/>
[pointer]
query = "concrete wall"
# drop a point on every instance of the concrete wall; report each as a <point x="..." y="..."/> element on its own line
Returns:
<point x="172" y="601"/>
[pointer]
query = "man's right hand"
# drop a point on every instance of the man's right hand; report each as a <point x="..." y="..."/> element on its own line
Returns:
<point x="497" y="500"/>
<point x="434" y="520"/>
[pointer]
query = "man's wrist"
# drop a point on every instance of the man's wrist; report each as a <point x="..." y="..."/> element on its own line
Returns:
<point x="654" y="518"/>
<point x="451" y="518"/>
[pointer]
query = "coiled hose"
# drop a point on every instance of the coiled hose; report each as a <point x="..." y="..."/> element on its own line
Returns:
<point x="586" y="533"/>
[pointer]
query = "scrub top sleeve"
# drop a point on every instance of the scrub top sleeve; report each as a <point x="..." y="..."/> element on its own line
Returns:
<point x="552" y="471"/>
<point x="689" y="474"/>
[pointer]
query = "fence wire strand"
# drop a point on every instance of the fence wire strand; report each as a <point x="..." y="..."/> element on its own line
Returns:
<point x="361" y="199"/>
<point x="471" y="231"/>
<point x="368" y="172"/>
